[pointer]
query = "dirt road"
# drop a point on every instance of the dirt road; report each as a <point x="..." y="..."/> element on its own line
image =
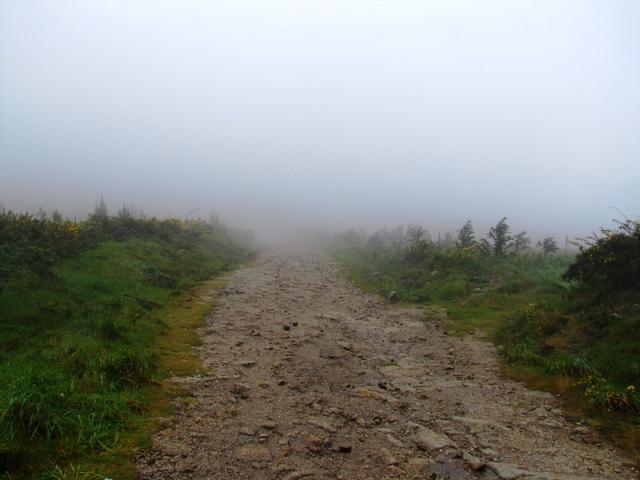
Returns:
<point x="310" y="378"/>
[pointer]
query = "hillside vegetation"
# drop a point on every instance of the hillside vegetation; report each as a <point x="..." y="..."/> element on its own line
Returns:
<point x="570" y="317"/>
<point x="85" y="310"/>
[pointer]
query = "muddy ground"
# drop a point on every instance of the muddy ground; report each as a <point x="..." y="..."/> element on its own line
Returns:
<point x="310" y="378"/>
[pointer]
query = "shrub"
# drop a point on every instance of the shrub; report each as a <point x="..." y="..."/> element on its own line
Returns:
<point x="466" y="236"/>
<point x="499" y="239"/>
<point x="548" y="246"/>
<point x="610" y="262"/>
<point x="603" y="395"/>
<point x="35" y="244"/>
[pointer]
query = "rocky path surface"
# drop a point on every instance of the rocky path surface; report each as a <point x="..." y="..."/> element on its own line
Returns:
<point x="310" y="378"/>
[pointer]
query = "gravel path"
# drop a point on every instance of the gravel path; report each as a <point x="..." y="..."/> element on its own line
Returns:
<point x="310" y="378"/>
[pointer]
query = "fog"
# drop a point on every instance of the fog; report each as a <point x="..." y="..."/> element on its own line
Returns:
<point x="327" y="114"/>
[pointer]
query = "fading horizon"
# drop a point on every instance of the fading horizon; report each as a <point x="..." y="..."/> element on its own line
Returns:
<point x="293" y="115"/>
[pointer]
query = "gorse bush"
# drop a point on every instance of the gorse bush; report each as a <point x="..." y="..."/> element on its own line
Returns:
<point x="610" y="262"/>
<point x="35" y="243"/>
<point x="603" y="395"/>
<point x="27" y="242"/>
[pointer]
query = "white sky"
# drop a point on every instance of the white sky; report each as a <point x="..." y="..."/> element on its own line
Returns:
<point x="325" y="113"/>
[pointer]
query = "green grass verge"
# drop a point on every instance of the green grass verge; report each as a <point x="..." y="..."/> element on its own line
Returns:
<point x="86" y="350"/>
<point x="482" y="295"/>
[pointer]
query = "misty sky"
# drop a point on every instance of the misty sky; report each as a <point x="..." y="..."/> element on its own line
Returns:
<point x="326" y="113"/>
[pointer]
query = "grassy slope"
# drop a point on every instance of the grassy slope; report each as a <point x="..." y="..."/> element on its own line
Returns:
<point x="84" y="352"/>
<point x="483" y="300"/>
<point x="547" y="335"/>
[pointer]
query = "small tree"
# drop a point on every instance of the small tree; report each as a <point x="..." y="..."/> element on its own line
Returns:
<point x="56" y="216"/>
<point x="466" y="236"/>
<point x="100" y="211"/>
<point x="124" y="213"/>
<point x="548" y="246"/>
<point x="415" y="236"/>
<point x="520" y="242"/>
<point x="500" y="237"/>
<point x="484" y="247"/>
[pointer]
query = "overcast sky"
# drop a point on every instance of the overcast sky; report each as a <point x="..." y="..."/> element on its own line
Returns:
<point x="325" y="113"/>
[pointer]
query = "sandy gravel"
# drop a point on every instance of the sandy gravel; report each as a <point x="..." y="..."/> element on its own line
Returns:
<point x="310" y="378"/>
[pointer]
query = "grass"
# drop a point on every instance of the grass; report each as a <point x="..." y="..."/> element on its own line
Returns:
<point x="479" y="296"/>
<point x="176" y="357"/>
<point x="86" y="352"/>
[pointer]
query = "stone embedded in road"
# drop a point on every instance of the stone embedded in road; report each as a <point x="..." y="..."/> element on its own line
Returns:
<point x="246" y="363"/>
<point x="329" y="316"/>
<point x="419" y="463"/>
<point x="367" y="392"/>
<point x="322" y="423"/>
<point x="344" y="448"/>
<point x="473" y="424"/>
<point x="507" y="471"/>
<point x="427" y="439"/>
<point x="385" y="457"/>
<point x="394" y="441"/>
<point x="474" y="462"/>
<point x="317" y="444"/>
<point x="241" y="390"/>
<point x="254" y="453"/>
<point x="298" y="474"/>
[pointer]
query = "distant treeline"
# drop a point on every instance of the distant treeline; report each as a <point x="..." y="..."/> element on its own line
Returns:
<point x="499" y="241"/>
